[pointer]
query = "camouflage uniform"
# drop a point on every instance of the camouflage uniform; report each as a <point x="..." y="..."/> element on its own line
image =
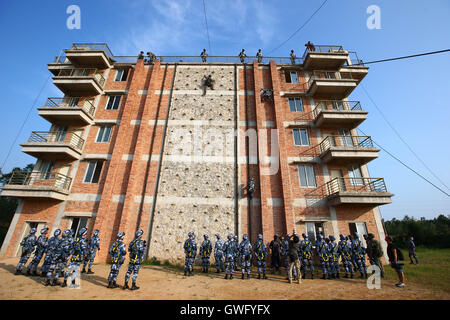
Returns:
<point x="245" y="252"/>
<point x="334" y="257"/>
<point x="93" y="246"/>
<point x="230" y="250"/>
<point x="345" y="252"/>
<point x="259" y="56"/>
<point x="242" y="56"/>
<point x="136" y="251"/>
<point x="190" y="250"/>
<point x="205" y="253"/>
<point x="324" y="256"/>
<point x="307" y="251"/>
<point x="79" y="251"/>
<point x="52" y="244"/>
<point x="28" y="243"/>
<point x="261" y="253"/>
<point x="218" y="254"/>
<point x="117" y="252"/>
<point x="64" y="251"/>
<point x="360" y="255"/>
<point x="39" y="253"/>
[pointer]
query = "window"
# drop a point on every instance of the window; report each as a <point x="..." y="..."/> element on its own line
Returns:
<point x="46" y="169"/>
<point x="121" y="75"/>
<point x="355" y="173"/>
<point x="113" y="103"/>
<point x="346" y="137"/>
<point x="313" y="229"/>
<point x="306" y="175"/>
<point x="296" y="105"/>
<point x="104" y="133"/>
<point x="291" y="76"/>
<point x="78" y="223"/>
<point x="93" y="171"/>
<point x="300" y="137"/>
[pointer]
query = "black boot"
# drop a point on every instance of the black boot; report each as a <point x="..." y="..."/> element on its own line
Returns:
<point x="55" y="282"/>
<point x="323" y="276"/>
<point x="248" y="275"/>
<point x="226" y="276"/>
<point x="115" y="285"/>
<point x="351" y="276"/>
<point x="304" y="276"/>
<point x="125" y="286"/>
<point x="184" y="272"/>
<point x="84" y="270"/>
<point x="18" y="272"/>
<point x="47" y="282"/>
<point x="242" y="277"/>
<point x="43" y="274"/>
<point x="329" y="277"/>
<point x="64" y="284"/>
<point x="264" y="276"/>
<point x="35" y="274"/>
<point x="109" y="285"/>
<point x="259" y="276"/>
<point x="90" y="271"/>
<point x="134" y="287"/>
<point x="231" y="276"/>
<point x="28" y="273"/>
<point x="346" y="275"/>
<point x="338" y="276"/>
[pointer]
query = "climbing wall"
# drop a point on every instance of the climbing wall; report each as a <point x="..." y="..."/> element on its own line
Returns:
<point x="197" y="178"/>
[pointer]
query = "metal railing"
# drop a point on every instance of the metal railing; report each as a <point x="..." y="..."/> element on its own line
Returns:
<point x="354" y="59"/>
<point x="92" y="47"/>
<point x="335" y="105"/>
<point x="328" y="75"/>
<point x="324" y="49"/>
<point x="63" y="137"/>
<point x="357" y="142"/>
<point x="83" y="72"/>
<point x="83" y="103"/>
<point x="354" y="185"/>
<point x="44" y="179"/>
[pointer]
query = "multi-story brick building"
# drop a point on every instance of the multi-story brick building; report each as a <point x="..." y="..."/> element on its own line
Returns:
<point x="142" y="143"/>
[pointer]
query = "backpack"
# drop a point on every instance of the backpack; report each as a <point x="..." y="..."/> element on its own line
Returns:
<point x="377" y="252"/>
<point x="400" y="256"/>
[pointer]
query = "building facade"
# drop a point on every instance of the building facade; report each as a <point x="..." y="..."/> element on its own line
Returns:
<point x="148" y="143"/>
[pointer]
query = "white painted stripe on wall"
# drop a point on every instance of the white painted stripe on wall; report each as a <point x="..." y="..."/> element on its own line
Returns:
<point x="87" y="197"/>
<point x="292" y="160"/>
<point x="107" y="121"/>
<point x="147" y="199"/>
<point x="80" y="214"/>
<point x="93" y="156"/>
<point x="127" y="157"/>
<point x="142" y="91"/>
<point x="275" y="202"/>
<point x="120" y="198"/>
<point x="135" y="122"/>
<point x="269" y="124"/>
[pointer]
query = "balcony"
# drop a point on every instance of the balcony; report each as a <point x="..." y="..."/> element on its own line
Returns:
<point x="331" y="84"/>
<point x="68" y="110"/>
<point x="54" y="145"/>
<point x="79" y="82"/>
<point x="324" y="57"/>
<point x="89" y="55"/>
<point x="344" y="150"/>
<point x="370" y="192"/>
<point x="37" y="185"/>
<point x="338" y="114"/>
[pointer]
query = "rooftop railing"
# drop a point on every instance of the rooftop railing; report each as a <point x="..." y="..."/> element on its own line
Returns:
<point x="44" y="179"/>
<point x="323" y="49"/>
<point x="92" y="47"/>
<point x="65" y="137"/>
<point x="83" y="103"/>
<point x="83" y="72"/>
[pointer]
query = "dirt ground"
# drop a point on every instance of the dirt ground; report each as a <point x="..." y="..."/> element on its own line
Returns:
<point x="166" y="283"/>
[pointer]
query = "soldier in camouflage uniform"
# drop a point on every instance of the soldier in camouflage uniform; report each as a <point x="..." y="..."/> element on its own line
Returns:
<point x="360" y="255"/>
<point x="190" y="250"/>
<point x="205" y="253"/>
<point x="242" y="56"/>
<point x="55" y="256"/>
<point x="259" y="56"/>
<point x="334" y="257"/>
<point x="261" y="253"/>
<point x="345" y="252"/>
<point x="293" y="57"/>
<point x="136" y="251"/>
<point x="218" y="254"/>
<point x="204" y="55"/>
<point x="322" y="251"/>
<point x="245" y="252"/>
<point x="307" y="251"/>
<point x="117" y="251"/>
<point x="79" y="251"/>
<point x="28" y="243"/>
<point x="65" y="250"/>
<point x="93" y="246"/>
<point x="230" y="250"/>
<point x="51" y="246"/>
<point x="39" y="253"/>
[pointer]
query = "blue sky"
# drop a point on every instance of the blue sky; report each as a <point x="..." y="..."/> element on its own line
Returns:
<point x="412" y="93"/>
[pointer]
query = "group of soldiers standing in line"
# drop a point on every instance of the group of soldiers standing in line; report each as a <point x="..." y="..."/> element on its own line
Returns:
<point x="61" y="251"/>
<point x="242" y="55"/>
<point x="289" y="251"/>
<point x="69" y="251"/>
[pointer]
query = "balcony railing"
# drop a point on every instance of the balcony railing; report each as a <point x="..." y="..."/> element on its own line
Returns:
<point x="357" y="142"/>
<point x="70" y="138"/>
<point x="354" y="185"/>
<point x="323" y="49"/>
<point x="336" y="105"/>
<point x="83" y="72"/>
<point x="83" y="103"/>
<point x="44" y="179"/>
<point x="329" y="75"/>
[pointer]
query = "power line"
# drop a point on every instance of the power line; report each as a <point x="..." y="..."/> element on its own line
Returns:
<point x="301" y="27"/>
<point x="23" y="124"/>
<point x="206" y="22"/>
<point x="405" y="165"/>
<point x="403" y="140"/>
<point x="404" y="57"/>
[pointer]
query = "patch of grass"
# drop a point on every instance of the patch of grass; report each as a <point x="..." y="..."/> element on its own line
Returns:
<point x="151" y="262"/>
<point x="432" y="270"/>
<point x="165" y="263"/>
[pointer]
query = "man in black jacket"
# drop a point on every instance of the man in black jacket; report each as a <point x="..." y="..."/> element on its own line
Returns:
<point x="395" y="256"/>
